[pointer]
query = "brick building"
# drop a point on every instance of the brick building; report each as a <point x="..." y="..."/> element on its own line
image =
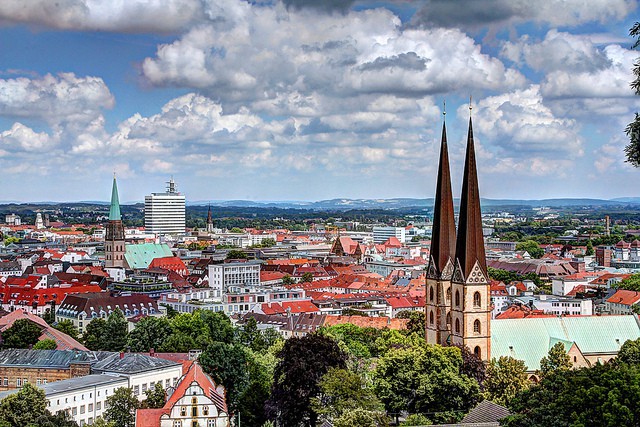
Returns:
<point x="21" y="366"/>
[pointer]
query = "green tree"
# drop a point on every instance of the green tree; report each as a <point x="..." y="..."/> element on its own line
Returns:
<point x="178" y="342"/>
<point x="49" y="316"/>
<point x="302" y="363"/>
<point x="94" y="333"/>
<point x="219" y="326"/>
<point x="632" y="283"/>
<point x="67" y="327"/>
<point x="415" y="420"/>
<point x="101" y="422"/>
<point x="532" y="247"/>
<point x="632" y="150"/>
<point x="150" y="332"/>
<point x="589" y="251"/>
<point x="60" y="419"/>
<point x="288" y="280"/>
<point x="415" y="379"/>
<point x="115" y="332"/>
<point x="306" y="277"/>
<point x="556" y="360"/>
<point x="236" y="254"/>
<point x="342" y="390"/>
<point x="121" y="407"/>
<point x="155" y="397"/>
<point x="23" y="334"/>
<point x="506" y="377"/>
<point x="25" y="407"/>
<point x="252" y="399"/>
<point x="46" y="344"/>
<point x="416" y="322"/>
<point x="227" y="365"/>
<point x="236" y="230"/>
<point x="603" y="395"/>
<point x="359" y="417"/>
<point x="629" y="352"/>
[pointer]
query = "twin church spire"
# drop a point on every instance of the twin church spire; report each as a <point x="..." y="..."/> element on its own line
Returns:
<point x="458" y="297"/>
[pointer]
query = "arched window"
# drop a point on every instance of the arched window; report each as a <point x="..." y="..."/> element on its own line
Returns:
<point x="457" y="326"/>
<point x="449" y="319"/>
<point x="431" y="317"/>
<point x="476" y="351"/>
<point x="430" y="293"/>
<point x="457" y="298"/>
<point x="476" y="299"/>
<point x="476" y="326"/>
<point x="448" y="295"/>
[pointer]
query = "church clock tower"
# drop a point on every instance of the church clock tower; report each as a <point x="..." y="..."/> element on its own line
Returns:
<point x="114" y="246"/>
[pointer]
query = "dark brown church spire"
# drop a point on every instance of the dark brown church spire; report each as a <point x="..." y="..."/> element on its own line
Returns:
<point x="443" y="237"/>
<point x="470" y="242"/>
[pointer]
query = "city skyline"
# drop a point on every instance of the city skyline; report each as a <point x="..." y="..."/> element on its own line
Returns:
<point x="295" y="101"/>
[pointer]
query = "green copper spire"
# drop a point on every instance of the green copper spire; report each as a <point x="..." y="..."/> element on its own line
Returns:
<point x="114" y="212"/>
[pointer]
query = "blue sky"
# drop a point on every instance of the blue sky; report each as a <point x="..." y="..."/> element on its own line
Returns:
<point x="308" y="100"/>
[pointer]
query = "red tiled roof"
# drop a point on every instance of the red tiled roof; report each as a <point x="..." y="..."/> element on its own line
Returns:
<point x="295" y="307"/>
<point x="624" y="297"/>
<point x="367" y="322"/>
<point x="63" y="341"/>
<point x="518" y="312"/>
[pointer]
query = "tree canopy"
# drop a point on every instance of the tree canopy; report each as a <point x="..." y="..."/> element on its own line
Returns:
<point x="632" y="150"/>
<point x="121" y="407"/>
<point x="506" y="377"/>
<point x="23" y="334"/>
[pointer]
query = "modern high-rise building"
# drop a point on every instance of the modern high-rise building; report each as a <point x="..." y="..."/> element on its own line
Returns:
<point x="164" y="213"/>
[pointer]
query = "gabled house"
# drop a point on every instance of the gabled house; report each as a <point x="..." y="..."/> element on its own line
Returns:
<point x="196" y="402"/>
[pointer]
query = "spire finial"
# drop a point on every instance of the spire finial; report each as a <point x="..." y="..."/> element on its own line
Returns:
<point x="470" y="105"/>
<point x="444" y="108"/>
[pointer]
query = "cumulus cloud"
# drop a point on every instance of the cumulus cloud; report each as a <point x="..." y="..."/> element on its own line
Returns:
<point x="522" y="126"/>
<point x="277" y="56"/>
<point x="54" y="99"/>
<point x="25" y="138"/>
<point x="137" y="16"/>
<point x="491" y="12"/>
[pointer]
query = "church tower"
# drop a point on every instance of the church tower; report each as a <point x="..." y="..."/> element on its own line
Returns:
<point x="470" y="309"/>
<point x="209" y="221"/>
<point x="114" y="238"/>
<point x="442" y="252"/>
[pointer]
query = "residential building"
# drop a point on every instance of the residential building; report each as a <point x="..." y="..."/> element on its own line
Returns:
<point x="232" y="276"/>
<point x="164" y="213"/>
<point x="382" y="234"/>
<point x="196" y="401"/>
<point x="39" y="367"/>
<point x="80" y="309"/>
<point x="622" y="302"/>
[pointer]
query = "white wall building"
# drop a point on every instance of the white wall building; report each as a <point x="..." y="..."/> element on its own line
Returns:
<point x="382" y="234"/>
<point x="164" y="213"/>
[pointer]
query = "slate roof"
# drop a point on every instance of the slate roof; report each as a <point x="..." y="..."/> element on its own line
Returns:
<point x="128" y="363"/>
<point x="486" y="412"/>
<point x="94" y="302"/>
<point x="42" y="358"/>
<point x="531" y="338"/>
<point x="74" y="384"/>
<point x="140" y="255"/>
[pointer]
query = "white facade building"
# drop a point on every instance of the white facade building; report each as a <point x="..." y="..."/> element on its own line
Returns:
<point x="234" y="274"/>
<point x="382" y="234"/>
<point x="164" y="213"/>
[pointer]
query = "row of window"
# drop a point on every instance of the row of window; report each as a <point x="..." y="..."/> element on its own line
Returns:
<point x="477" y="298"/>
<point x="210" y="423"/>
<point x="477" y="327"/>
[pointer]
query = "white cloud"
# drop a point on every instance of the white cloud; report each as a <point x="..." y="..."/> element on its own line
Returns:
<point x="24" y="138"/>
<point x="55" y="99"/>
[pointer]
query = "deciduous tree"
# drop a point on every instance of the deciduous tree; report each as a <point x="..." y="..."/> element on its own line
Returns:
<point x="24" y="407"/>
<point x="506" y="377"/>
<point x="121" y="407"/>
<point x="23" y="334"/>
<point x="632" y="150"/>
<point x="155" y="397"/>
<point x="150" y="332"/>
<point x="227" y="365"/>
<point x="302" y="363"/>
<point x="115" y="333"/>
<point x="94" y="333"/>
<point x="67" y="327"/>
<point x="46" y="344"/>
<point x="556" y="360"/>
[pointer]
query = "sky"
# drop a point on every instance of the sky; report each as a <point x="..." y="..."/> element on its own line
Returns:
<point x="313" y="100"/>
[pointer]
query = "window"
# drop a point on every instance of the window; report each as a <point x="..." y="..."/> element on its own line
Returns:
<point x="144" y="387"/>
<point x="476" y="299"/>
<point x="183" y="411"/>
<point x="448" y="318"/>
<point x="430" y="293"/>
<point x="476" y="326"/>
<point x="5" y="381"/>
<point x="194" y="411"/>
<point x="205" y="410"/>
<point x="448" y="294"/>
<point x="98" y="406"/>
<point x="194" y="424"/>
<point x="74" y="411"/>
<point x="431" y="317"/>
<point x="457" y="326"/>
<point x="458" y="298"/>
<point x="18" y="382"/>
<point x="90" y="407"/>
<point x="136" y="390"/>
<point x="477" y="352"/>
<point x="211" y="423"/>
<point x="177" y="424"/>
<point x="82" y="409"/>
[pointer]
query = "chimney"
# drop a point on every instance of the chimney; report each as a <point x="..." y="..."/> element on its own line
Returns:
<point x="152" y="352"/>
<point x="122" y="355"/>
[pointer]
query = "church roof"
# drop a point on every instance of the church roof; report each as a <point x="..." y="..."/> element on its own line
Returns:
<point x="443" y="240"/>
<point x="114" y="210"/>
<point x="140" y="255"/>
<point x="531" y="338"/>
<point x="470" y="242"/>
